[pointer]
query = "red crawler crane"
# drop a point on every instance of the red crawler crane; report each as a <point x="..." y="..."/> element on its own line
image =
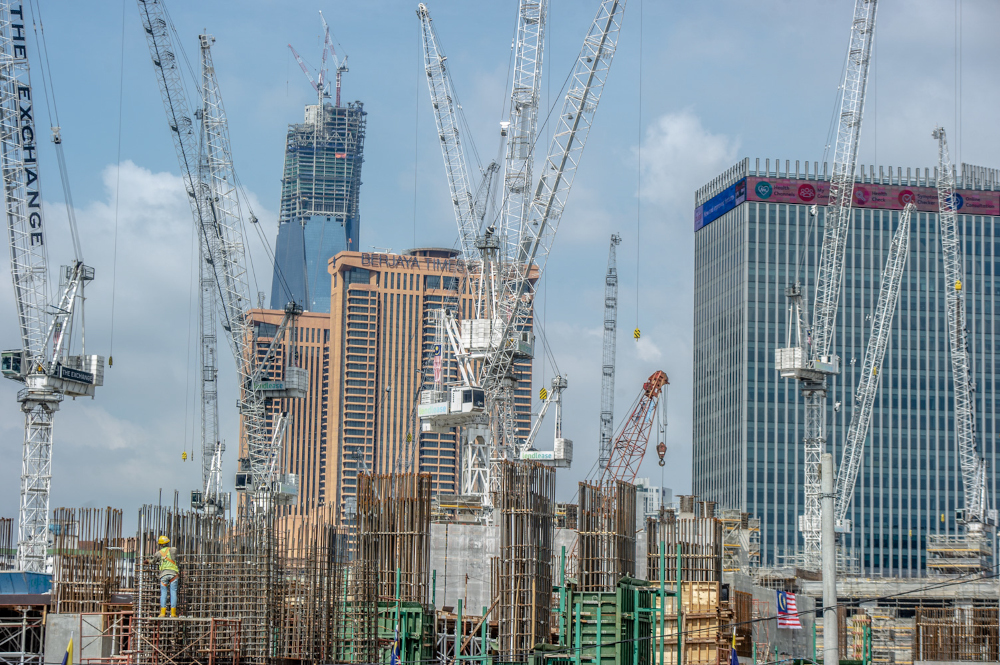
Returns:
<point x="630" y="443"/>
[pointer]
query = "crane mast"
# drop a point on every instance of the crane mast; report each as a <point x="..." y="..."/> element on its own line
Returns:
<point x="44" y="362"/>
<point x="871" y="369"/>
<point x="211" y="445"/>
<point x="973" y="468"/>
<point x="608" y="355"/>
<point x="809" y="358"/>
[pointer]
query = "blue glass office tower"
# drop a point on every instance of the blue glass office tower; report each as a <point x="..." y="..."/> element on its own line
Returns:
<point x="319" y="214"/>
<point x="758" y="229"/>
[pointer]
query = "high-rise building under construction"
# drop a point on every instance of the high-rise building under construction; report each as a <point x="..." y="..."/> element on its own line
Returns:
<point x="758" y="227"/>
<point x="319" y="214"/>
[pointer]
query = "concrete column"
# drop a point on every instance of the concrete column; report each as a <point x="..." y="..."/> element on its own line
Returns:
<point x="831" y="645"/>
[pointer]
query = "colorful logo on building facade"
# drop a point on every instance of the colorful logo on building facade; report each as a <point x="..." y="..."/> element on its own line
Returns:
<point x="763" y="190"/>
<point x="861" y="195"/>
<point x="807" y="192"/>
<point x="907" y="196"/>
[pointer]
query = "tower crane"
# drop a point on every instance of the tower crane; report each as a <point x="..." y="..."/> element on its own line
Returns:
<point x="45" y="363"/>
<point x="973" y="467"/>
<point x="205" y="159"/>
<point x="513" y="254"/>
<point x="608" y="355"/>
<point x="515" y="290"/>
<point x="810" y="359"/>
<point x="320" y="83"/>
<point x="871" y="369"/>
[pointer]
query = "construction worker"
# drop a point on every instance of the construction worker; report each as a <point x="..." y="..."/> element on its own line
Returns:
<point x="170" y="575"/>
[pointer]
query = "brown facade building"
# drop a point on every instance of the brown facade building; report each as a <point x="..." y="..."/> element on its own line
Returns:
<point x="305" y="449"/>
<point x="367" y="360"/>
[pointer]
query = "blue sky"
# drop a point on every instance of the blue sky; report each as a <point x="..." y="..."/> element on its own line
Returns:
<point x="720" y="80"/>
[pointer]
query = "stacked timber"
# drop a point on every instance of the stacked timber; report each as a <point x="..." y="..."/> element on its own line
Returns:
<point x="706" y="626"/>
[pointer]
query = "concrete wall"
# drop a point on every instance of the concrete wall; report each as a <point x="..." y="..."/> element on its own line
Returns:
<point x="790" y="643"/>
<point x="461" y="555"/>
<point x="58" y="628"/>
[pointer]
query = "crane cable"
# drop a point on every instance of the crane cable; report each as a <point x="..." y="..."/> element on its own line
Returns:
<point x="118" y="178"/>
<point x="638" y="195"/>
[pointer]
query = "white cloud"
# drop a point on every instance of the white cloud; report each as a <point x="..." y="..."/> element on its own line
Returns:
<point x="679" y="155"/>
<point x="647" y="350"/>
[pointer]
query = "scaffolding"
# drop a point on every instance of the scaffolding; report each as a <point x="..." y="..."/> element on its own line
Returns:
<point x="566" y="516"/>
<point x="22" y="631"/>
<point x="706" y="623"/>
<point x="524" y="502"/>
<point x="106" y="638"/>
<point x="958" y="555"/>
<point x="606" y="545"/>
<point x="763" y="640"/>
<point x="226" y="573"/>
<point x="740" y="542"/>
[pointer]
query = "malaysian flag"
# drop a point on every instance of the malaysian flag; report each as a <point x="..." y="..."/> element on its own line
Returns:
<point x="788" y="615"/>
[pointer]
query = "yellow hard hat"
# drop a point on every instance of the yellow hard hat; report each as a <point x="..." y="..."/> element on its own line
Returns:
<point x="164" y="540"/>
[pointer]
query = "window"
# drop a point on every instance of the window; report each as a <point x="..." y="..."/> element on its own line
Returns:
<point x="356" y="276"/>
<point x="266" y="330"/>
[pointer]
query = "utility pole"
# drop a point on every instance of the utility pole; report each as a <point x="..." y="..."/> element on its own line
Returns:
<point x="828" y="550"/>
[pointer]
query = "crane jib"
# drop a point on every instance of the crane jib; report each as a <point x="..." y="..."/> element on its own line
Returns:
<point x="26" y="130"/>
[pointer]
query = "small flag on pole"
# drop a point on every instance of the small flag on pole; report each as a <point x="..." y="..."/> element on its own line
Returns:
<point x="788" y="615"/>
<point x="733" y="658"/>
<point x="68" y="656"/>
<point x="394" y="658"/>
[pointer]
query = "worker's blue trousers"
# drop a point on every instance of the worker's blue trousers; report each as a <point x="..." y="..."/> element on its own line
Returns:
<point x="173" y="584"/>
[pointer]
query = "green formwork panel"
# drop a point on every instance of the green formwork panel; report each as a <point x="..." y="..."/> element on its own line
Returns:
<point x="416" y="631"/>
<point x="635" y="603"/>
<point x="615" y="628"/>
